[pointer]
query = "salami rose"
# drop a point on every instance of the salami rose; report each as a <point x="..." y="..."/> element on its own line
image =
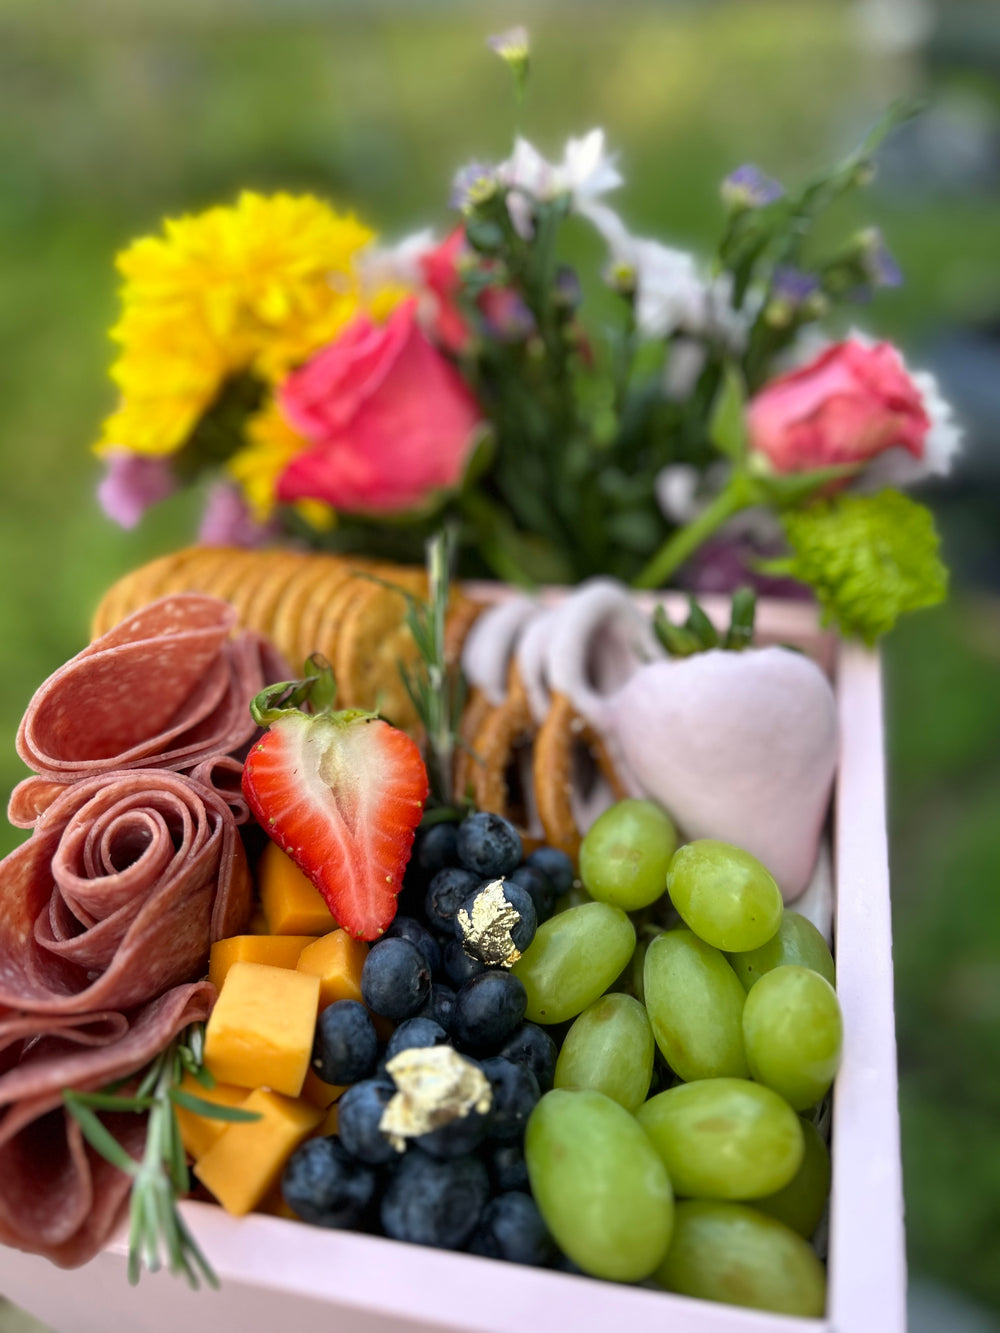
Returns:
<point x="169" y="688"/>
<point x="59" y="1198"/>
<point x="118" y="893"/>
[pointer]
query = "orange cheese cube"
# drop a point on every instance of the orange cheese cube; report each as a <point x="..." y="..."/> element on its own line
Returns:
<point x="258" y="923"/>
<point x="199" y="1132"/>
<point x="319" y="1093"/>
<point x="245" y="1162"/>
<point x="292" y="903"/>
<point x="337" y="959"/>
<point x="260" y="1033"/>
<point x="275" y="950"/>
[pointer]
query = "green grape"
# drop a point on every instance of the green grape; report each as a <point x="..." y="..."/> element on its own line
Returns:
<point x="725" y="895"/>
<point x="797" y="942"/>
<point x="599" y="1185"/>
<point x="800" y="1204"/>
<point x="793" y="1032"/>
<point x="610" y="1049"/>
<point x="724" y="1138"/>
<point x="625" y="855"/>
<point x="729" y="1252"/>
<point x="573" y="959"/>
<point x="695" y="1006"/>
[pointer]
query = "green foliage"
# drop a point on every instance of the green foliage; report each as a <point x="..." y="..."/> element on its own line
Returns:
<point x="868" y="558"/>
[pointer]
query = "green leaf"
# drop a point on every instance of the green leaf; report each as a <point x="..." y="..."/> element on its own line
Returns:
<point x="787" y="489"/>
<point x="110" y="1101"/>
<point x="211" y="1110"/>
<point x="727" y="428"/>
<point x="868" y="558"/>
<point x="741" y="622"/>
<point x="99" y="1136"/>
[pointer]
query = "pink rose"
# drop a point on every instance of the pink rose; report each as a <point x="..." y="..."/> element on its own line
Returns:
<point x="439" y="268"/>
<point x="389" y="418"/>
<point x="849" y="404"/>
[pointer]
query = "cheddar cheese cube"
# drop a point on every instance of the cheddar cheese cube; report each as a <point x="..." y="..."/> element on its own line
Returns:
<point x="321" y="1094"/>
<point x="245" y="1162"/>
<point x="275" y="950"/>
<point x="199" y="1132"/>
<point x="260" y="1033"/>
<point x="337" y="959"/>
<point x="292" y="903"/>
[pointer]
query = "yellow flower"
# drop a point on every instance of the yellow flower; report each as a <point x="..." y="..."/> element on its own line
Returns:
<point x="271" y="445"/>
<point x="258" y="286"/>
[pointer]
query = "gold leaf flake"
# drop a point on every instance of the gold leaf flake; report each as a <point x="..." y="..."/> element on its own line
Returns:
<point x="486" y="934"/>
<point x="435" y="1085"/>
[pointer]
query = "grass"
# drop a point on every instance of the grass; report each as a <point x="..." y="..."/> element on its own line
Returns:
<point x="112" y="115"/>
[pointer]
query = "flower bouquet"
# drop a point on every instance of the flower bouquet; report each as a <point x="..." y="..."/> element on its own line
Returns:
<point x="402" y="862"/>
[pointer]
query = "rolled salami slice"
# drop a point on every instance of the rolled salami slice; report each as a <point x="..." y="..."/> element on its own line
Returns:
<point x="117" y="895"/>
<point x="169" y="687"/>
<point x="58" y="1197"/>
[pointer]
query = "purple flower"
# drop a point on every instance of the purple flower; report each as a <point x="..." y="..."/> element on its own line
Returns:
<point x="880" y="267"/>
<point x="473" y="185"/>
<point x="228" y="522"/>
<point x="512" y="45"/>
<point x="792" y="286"/>
<point x="748" y="187"/>
<point x="132" y="483"/>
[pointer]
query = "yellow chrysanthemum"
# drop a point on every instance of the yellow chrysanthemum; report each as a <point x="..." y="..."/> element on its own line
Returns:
<point x="271" y="445"/>
<point x="258" y="286"/>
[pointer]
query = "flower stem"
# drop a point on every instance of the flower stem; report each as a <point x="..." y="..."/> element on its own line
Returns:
<point x="737" y="495"/>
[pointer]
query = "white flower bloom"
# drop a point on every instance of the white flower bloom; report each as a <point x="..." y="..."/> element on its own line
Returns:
<point x="671" y="296"/>
<point x="685" y="362"/>
<point x="396" y="265"/>
<point x="585" y="173"/>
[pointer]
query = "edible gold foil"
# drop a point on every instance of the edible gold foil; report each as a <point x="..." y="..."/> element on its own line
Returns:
<point x="435" y="1085"/>
<point x="486" y="934"/>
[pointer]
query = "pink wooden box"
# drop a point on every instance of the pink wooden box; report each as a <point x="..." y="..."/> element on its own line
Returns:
<point x="277" y="1274"/>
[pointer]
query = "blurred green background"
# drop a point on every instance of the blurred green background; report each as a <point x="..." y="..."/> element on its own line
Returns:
<point x="113" y="114"/>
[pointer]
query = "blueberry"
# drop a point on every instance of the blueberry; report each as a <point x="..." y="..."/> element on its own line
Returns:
<point x="395" y="980"/>
<point x="323" y="1184"/>
<point x="519" y="898"/>
<point x="515" y="1095"/>
<point x="532" y="1046"/>
<point x="459" y="966"/>
<point x="508" y="1169"/>
<point x="436" y="848"/>
<point x="445" y="895"/>
<point x="434" y="1202"/>
<point x="511" y="1228"/>
<point x="462" y="1135"/>
<point x="556" y="866"/>
<point x="487" y="1010"/>
<point x="543" y="895"/>
<point x="345" y="1049"/>
<point x="359" y="1114"/>
<point x="488" y="845"/>
<point x="439" y="1006"/>
<point x="415" y="1032"/>
<point x="406" y="928"/>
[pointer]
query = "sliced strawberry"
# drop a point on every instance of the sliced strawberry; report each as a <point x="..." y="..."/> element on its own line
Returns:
<point x="342" y="794"/>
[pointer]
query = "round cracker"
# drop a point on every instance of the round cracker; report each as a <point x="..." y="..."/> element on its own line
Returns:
<point x="286" y="620"/>
<point x="321" y="612"/>
<point x="276" y="573"/>
<point x="373" y="642"/>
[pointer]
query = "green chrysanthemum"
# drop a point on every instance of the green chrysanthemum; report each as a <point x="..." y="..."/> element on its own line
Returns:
<point x="868" y="558"/>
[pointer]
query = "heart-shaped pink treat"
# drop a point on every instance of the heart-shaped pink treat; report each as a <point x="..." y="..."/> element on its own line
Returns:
<point x="736" y="746"/>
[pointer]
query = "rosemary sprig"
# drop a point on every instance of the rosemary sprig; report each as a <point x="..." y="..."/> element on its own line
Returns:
<point x="158" y="1234"/>
<point x="436" y="688"/>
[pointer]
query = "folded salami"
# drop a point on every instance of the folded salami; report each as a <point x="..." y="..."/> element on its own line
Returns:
<point x="58" y="1197"/>
<point x="126" y="880"/>
<point x="168" y="688"/>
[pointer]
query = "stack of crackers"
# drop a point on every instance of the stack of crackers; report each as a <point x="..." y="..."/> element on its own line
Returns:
<point x="306" y="603"/>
